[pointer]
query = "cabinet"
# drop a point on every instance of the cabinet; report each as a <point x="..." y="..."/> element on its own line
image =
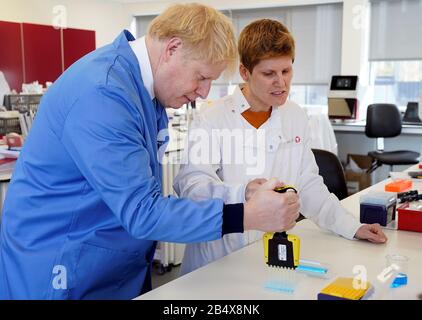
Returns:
<point x="33" y="52"/>
<point x="11" y="63"/>
<point x="42" y="53"/>
<point x="76" y="44"/>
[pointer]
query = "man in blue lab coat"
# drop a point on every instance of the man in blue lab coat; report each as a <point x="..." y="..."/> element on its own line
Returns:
<point x="84" y="207"/>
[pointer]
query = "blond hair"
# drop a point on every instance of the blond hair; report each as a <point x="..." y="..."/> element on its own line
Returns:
<point x="205" y="32"/>
<point x="264" y="39"/>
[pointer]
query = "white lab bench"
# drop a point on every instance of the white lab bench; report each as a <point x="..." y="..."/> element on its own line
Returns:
<point x="242" y="274"/>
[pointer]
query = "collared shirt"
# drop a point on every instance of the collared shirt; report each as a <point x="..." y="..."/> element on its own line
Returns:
<point x="139" y="47"/>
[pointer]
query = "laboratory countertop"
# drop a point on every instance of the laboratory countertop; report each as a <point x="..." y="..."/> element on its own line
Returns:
<point x="243" y="274"/>
<point x="359" y="126"/>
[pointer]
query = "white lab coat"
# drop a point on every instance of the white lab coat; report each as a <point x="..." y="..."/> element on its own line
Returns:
<point x="288" y="157"/>
<point x="321" y="131"/>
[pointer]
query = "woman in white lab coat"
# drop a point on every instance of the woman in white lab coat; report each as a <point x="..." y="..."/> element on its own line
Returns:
<point x="255" y="134"/>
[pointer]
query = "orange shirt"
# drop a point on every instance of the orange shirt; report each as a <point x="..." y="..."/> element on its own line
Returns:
<point x="256" y="119"/>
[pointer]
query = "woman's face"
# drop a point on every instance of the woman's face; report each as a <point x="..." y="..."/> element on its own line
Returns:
<point x="270" y="80"/>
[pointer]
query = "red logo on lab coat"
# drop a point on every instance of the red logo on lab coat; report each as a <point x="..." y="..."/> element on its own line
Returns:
<point x="297" y="139"/>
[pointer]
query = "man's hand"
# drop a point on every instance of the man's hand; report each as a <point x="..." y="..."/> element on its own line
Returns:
<point x="252" y="186"/>
<point x="270" y="211"/>
<point x="372" y="233"/>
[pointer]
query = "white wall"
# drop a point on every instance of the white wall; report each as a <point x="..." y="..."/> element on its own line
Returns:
<point x="106" y="17"/>
<point x="355" y="44"/>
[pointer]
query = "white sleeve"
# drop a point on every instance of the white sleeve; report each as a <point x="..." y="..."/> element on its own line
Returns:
<point x="317" y="203"/>
<point x="197" y="178"/>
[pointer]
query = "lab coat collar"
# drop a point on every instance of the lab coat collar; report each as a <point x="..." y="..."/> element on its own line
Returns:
<point x="121" y="43"/>
<point x="139" y="47"/>
<point x="240" y="104"/>
<point x="239" y="101"/>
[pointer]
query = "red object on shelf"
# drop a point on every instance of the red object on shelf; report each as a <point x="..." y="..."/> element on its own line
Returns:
<point x="409" y="219"/>
<point x="42" y="52"/>
<point x="6" y="160"/>
<point x="76" y="44"/>
<point x="420" y="165"/>
<point x="14" y="140"/>
<point x="11" y="62"/>
<point x="399" y="185"/>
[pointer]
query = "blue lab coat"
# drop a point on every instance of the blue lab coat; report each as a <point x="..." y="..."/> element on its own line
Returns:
<point x="84" y="207"/>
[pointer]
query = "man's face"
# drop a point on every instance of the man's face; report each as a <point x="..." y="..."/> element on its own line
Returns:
<point x="180" y="79"/>
<point x="270" y="80"/>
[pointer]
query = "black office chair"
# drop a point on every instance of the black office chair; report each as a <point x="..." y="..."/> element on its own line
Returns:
<point x="383" y="120"/>
<point x="332" y="173"/>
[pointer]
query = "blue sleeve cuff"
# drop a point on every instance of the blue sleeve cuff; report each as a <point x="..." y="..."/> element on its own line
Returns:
<point x="232" y="218"/>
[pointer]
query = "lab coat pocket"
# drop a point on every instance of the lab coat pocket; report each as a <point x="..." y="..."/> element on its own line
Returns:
<point x="273" y="143"/>
<point x="292" y="149"/>
<point x="294" y="141"/>
<point x="103" y="273"/>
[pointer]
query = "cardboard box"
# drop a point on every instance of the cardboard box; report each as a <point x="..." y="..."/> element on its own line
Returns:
<point x="358" y="180"/>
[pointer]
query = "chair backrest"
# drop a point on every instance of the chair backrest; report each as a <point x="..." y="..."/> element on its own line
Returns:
<point x="383" y="120"/>
<point x="331" y="170"/>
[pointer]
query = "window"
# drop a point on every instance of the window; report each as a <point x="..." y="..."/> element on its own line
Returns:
<point x="395" y="53"/>
<point x="317" y="33"/>
<point x="309" y="94"/>
<point x="396" y="82"/>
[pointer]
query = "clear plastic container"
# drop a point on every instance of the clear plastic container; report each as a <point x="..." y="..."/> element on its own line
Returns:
<point x="402" y="262"/>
